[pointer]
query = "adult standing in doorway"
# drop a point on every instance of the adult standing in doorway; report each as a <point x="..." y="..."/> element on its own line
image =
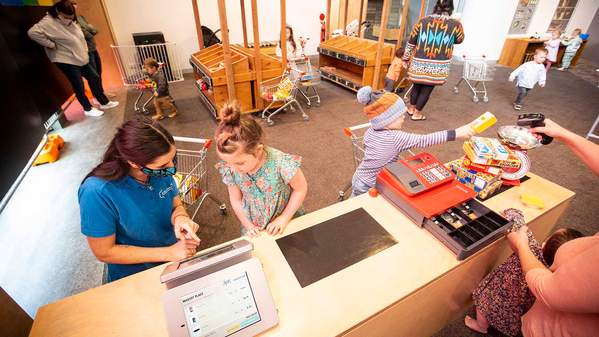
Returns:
<point x="65" y="46"/>
<point x="130" y="208"/>
<point x="428" y="52"/>
<point x="90" y="31"/>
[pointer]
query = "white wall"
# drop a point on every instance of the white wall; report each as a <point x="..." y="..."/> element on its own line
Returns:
<point x="583" y="15"/>
<point x="175" y="19"/>
<point x="485" y="33"/>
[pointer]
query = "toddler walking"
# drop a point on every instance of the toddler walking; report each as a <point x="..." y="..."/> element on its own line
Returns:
<point x="162" y="97"/>
<point x="573" y="43"/>
<point x="552" y="46"/>
<point x="266" y="186"/>
<point x="384" y="140"/>
<point x="529" y="74"/>
<point x="394" y="71"/>
<point x="503" y="296"/>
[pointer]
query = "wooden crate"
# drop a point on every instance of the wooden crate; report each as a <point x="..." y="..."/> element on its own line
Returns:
<point x="354" y="61"/>
<point x="208" y="66"/>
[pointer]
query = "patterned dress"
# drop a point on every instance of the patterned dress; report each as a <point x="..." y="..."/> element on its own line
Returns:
<point x="503" y="296"/>
<point x="430" y="48"/>
<point x="266" y="192"/>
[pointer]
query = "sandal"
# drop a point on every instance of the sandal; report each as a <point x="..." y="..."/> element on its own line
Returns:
<point x="421" y="118"/>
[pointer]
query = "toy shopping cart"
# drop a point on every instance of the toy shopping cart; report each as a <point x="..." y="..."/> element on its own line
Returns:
<point x="281" y="89"/>
<point x="191" y="176"/>
<point x="356" y="135"/>
<point x="477" y="70"/>
<point x="308" y="78"/>
<point x="144" y="86"/>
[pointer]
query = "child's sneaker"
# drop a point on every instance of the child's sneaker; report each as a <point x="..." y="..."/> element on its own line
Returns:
<point x="109" y="105"/>
<point x="561" y="68"/>
<point x="157" y="117"/>
<point x="517" y="107"/>
<point x="93" y="112"/>
<point x="172" y="114"/>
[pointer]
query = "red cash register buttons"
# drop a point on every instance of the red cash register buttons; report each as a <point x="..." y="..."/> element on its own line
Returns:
<point x="373" y="192"/>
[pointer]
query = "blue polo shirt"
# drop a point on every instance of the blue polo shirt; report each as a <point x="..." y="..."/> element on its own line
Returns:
<point x="139" y="214"/>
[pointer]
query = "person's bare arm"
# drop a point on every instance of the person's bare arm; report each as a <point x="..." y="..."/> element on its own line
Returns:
<point x="586" y="150"/>
<point x="106" y="250"/>
<point x="184" y="226"/>
<point x="299" y="190"/>
<point x="236" y="199"/>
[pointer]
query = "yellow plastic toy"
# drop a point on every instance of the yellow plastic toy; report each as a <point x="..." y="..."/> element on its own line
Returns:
<point x="51" y="150"/>
<point x="483" y="122"/>
<point x="532" y="200"/>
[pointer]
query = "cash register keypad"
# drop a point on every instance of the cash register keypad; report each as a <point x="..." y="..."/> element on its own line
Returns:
<point x="433" y="173"/>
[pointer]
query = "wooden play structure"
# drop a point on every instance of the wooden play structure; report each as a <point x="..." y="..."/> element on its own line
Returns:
<point x="225" y="72"/>
<point x="354" y="62"/>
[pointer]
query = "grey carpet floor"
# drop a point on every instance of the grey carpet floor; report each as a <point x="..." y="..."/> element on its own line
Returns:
<point x="327" y="153"/>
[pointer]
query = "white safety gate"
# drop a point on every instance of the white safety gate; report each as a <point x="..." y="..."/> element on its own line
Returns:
<point x="130" y="59"/>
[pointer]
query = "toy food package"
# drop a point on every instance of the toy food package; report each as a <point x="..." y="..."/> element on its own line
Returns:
<point x="511" y="162"/>
<point x="489" y="148"/>
<point x="484" y="184"/>
<point x="483" y="122"/>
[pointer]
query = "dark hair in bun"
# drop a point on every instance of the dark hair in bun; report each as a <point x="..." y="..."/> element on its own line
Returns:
<point x="443" y="7"/>
<point x="237" y="131"/>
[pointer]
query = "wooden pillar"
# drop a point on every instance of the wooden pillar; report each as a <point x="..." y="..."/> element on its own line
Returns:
<point x="196" y="15"/>
<point x="257" y="56"/>
<point x="328" y="18"/>
<point x="381" y="43"/>
<point x="345" y="7"/>
<point x="243" y="24"/>
<point x="363" y="11"/>
<point x="422" y="9"/>
<point x="224" y="30"/>
<point x="283" y="33"/>
<point x="403" y="23"/>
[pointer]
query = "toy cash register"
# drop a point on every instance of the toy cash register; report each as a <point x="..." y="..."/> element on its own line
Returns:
<point x="427" y="192"/>
<point x="221" y="292"/>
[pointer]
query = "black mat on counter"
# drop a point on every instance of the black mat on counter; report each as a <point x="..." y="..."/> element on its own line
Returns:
<point x="324" y="249"/>
<point x="504" y="188"/>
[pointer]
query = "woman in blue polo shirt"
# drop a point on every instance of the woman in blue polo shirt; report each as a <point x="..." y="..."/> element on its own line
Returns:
<point x="130" y="209"/>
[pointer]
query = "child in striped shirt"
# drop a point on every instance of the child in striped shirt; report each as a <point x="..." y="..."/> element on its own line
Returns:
<point x="384" y="140"/>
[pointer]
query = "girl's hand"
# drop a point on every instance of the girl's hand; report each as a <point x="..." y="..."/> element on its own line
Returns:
<point x="518" y="239"/>
<point x="183" y="249"/>
<point x="253" y="231"/>
<point x="185" y="228"/>
<point x="277" y="226"/>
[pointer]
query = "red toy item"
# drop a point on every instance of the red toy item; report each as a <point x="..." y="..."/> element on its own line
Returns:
<point x="323" y="28"/>
<point x="419" y="173"/>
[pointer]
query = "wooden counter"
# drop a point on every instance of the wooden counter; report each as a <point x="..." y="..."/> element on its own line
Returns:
<point x="519" y="50"/>
<point x="413" y="288"/>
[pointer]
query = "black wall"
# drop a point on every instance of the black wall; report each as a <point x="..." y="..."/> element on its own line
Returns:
<point x="32" y="89"/>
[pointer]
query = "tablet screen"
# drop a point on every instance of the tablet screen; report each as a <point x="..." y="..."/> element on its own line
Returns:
<point x="221" y="309"/>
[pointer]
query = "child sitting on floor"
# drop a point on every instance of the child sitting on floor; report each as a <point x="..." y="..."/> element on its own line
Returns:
<point x="503" y="296"/>
<point x="529" y="74"/>
<point x="573" y="43"/>
<point x="266" y="186"/>
<point x="394" y="70"/>
<point x="384" y="140"/>
<point x="162" y="97"/>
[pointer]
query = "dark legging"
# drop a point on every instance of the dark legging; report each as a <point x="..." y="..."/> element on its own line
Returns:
<point x="420" y="95"/>
<point x="96" y="63"/>
<point x="74" y="74"/>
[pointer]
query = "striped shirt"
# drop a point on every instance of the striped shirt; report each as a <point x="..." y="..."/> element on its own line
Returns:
<point x="382" y="147"/>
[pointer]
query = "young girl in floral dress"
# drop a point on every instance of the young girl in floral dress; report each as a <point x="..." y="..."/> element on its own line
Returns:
<point x="266" y="186"/>
<point x="503" y="297"/>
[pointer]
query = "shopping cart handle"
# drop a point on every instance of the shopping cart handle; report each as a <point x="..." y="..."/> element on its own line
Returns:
<point x="347" y="132"/>
<point x="208" y="143"/>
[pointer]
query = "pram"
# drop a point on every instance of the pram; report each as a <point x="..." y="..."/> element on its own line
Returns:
<point x="477" y="70"/>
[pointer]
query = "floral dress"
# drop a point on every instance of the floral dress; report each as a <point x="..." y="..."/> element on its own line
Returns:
<point x="266" y="192"/>
<point x="503" y="296"/>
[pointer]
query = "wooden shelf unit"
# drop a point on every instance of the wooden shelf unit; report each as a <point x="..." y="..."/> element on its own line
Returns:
<point x="519" y="50"/>
<point x="354" y="61"/>
<point x="208" y="66"/>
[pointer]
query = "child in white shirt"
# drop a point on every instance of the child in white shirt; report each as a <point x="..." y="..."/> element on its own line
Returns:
<point x="552" y="46"/>
<point x="529" y="74"/>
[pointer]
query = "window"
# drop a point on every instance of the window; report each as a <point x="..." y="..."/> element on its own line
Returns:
<point x="562" y="15"/>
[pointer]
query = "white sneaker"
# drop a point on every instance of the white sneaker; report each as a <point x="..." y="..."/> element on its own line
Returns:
<point x="94" y="112"/>
<point x="109" y="105"/>
<point x="561" y="69"/>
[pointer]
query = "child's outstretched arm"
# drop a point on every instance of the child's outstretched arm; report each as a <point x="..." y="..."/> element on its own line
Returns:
<point x="516" y="73"/>
<point x="299" y="189"/>
<point x="236" y="199"/>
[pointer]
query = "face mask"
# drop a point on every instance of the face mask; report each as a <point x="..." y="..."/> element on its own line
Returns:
<point x="164" y="172"/>
<point x="64" y="21"/>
